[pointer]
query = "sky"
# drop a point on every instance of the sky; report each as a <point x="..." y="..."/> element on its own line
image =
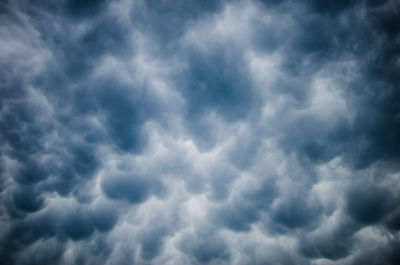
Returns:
<point x="172" y="132"/>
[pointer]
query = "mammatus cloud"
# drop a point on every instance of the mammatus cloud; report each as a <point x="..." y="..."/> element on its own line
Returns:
<point x="199" y="132"/>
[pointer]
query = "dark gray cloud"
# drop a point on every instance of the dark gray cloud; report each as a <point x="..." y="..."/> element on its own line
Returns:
<point x="130" y="187"/>
<point x="205" y="247"/>
<point x="199" y="132"/>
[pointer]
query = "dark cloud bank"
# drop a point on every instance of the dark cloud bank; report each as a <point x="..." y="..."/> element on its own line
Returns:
<point x="200" y="132"/>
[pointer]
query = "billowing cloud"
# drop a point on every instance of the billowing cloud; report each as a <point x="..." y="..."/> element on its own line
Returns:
<point x="199" y="132"/>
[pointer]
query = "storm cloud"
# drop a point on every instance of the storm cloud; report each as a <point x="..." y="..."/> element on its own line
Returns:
<point x="200" y="132"/>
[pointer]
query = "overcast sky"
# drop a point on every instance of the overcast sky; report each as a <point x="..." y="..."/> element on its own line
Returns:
<point x="177" y="132"/>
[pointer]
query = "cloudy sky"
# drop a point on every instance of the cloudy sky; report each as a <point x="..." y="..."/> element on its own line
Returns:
<point x="177" y="132"/>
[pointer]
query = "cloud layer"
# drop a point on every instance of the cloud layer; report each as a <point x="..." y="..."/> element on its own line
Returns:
<point x="200" y="132"/>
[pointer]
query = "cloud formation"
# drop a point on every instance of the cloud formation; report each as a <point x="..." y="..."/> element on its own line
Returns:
<point x="199" y="132"/>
